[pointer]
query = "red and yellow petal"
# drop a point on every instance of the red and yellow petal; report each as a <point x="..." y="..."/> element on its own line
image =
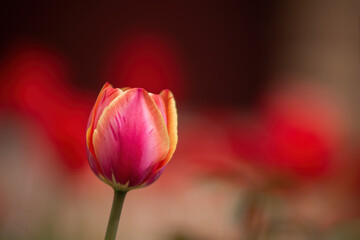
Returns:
<point x="172" y="123"/>
<point x="105" y="97"/>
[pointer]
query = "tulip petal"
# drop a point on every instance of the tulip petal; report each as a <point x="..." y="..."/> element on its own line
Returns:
<point x="130" y="138"/>
<point x="172" y="123"/>
<point x="169" y="109"/>
<point x="106" y="96"/>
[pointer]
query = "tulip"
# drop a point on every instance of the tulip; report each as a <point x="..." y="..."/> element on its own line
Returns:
<point x="131" y="137"/>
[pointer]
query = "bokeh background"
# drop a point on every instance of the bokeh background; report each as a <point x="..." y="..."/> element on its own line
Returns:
<point x="269" y="117"/>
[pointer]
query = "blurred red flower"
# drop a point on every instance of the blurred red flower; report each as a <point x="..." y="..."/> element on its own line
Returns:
<point x="35" y="85"/>
<point x="298" y="131"/>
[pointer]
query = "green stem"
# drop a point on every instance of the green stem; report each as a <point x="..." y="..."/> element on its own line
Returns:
<point x="113" y="223"/>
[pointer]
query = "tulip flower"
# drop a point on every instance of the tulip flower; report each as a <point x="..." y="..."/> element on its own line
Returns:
<point x="131" y="137"/>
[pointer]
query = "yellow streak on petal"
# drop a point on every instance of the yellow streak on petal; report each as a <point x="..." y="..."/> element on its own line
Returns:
<point x="88" y="137"/>
<point x="124" y="89"/>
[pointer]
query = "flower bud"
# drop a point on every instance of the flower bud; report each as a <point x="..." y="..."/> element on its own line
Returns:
<point x="131" y="136"/>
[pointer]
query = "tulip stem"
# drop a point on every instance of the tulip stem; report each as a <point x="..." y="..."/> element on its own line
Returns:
<point x="114" y="218"/>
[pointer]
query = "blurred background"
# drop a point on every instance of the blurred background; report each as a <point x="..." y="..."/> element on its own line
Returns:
<point x="269" y="119"/>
